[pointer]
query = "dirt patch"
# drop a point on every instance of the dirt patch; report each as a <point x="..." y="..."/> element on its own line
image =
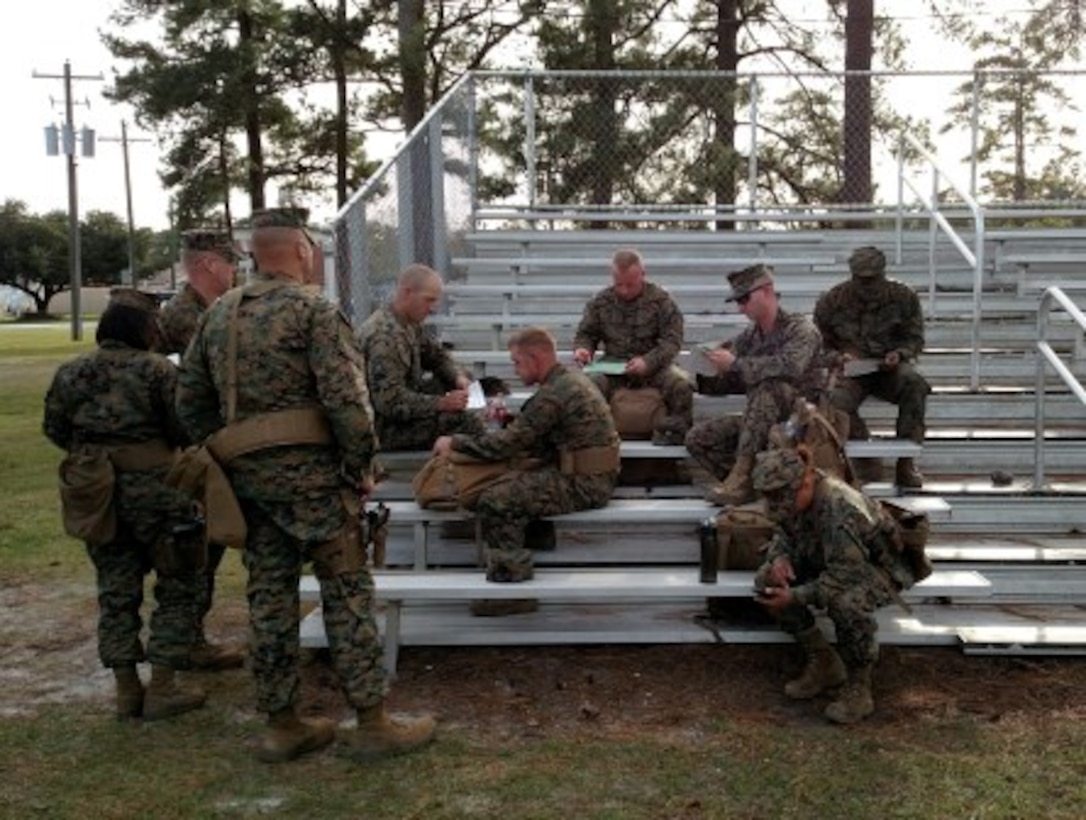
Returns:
<point x="49" y="655"/>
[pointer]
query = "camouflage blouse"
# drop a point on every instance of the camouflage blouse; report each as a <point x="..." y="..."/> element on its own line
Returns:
<point x="650" y="326"/>
<point x="567" y="412"/>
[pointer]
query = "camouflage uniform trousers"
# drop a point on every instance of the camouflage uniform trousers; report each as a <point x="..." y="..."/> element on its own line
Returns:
<point x="273" y="560"/>
<point x="903" y="386"/>
<point x="420" y="434"/>
<point x="205" y="587"/>
<point x="505" y="509"/>
<point x="675" y="389"/>
<point x="121" y="566"/>
<point x="715" y="444"/>
<point x="851" y="609"/>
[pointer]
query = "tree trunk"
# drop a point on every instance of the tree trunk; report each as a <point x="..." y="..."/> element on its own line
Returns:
<point x="247" y="44"/>
<point x="413" y="75"/>
<point x="339" y="70"/>
<point x="725" y="157"/>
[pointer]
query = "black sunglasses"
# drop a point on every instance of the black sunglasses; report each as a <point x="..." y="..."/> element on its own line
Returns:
<point x="742" y="300"/>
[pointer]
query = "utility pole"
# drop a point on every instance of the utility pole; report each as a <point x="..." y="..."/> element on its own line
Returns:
<point x="129" y="278"/>
<point x="75" y="263"/>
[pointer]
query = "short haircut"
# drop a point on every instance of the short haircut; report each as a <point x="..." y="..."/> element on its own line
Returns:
<point x="626" y="258"/>
<point x="533" y="338"/>
<point x="417" y="276"/>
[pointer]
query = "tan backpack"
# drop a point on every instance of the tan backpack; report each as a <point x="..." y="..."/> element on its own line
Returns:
<point x="742" y="533"/>
<point x="637" y="411"/>
<point x="819" y="429"/>
<point x="456" y="481"/>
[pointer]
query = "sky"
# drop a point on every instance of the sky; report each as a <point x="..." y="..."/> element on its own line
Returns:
<point x="39" y="40"/>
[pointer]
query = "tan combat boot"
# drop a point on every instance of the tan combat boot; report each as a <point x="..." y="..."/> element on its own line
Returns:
<point x="855" y="702"/>
<point x="165" y="698"/>
<point x="824" y="668"/>
<point x="906" y="474"/>
<point x="210" y="657"/>
<point x="129" y="692"/>
<point x="290" y="736"/>
<point x="380" y="734"/>
<point x="737" y="487"/>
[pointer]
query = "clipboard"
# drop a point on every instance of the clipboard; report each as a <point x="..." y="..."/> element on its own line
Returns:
<point x="862" y="367"/>
<point x="609" y="367"/>
<point x="699" y="360"/>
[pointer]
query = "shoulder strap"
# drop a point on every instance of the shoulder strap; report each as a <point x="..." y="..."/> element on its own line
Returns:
<point x="233" y="301"/>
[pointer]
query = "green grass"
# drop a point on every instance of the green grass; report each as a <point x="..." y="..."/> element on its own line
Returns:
<point x="31" y="538"/>
<point x="199" y="766"/>
<point x="72" y="760"/>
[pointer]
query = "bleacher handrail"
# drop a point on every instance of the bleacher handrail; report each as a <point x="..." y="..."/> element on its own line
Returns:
<point x="1047" y="354"/>
<point x="939" y="220"/>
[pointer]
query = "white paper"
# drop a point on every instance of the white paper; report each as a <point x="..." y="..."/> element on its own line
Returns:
<point x="700" y="362"/>
<point x="861" y="367"/>
<point x="476" y="399"/>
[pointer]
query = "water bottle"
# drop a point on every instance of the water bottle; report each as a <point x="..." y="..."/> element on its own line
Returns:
<point x="710" y="550"/>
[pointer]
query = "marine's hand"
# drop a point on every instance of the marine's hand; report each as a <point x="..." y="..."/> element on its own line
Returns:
<point x="781" y="572"/>
<point x="722" y="358"/>
<point x="366" y="485"/>
<point x="776" y="599"/>
<point x="442" y="446"/>
<point x="637" y="366"/>
<point x="453" y="401"/>
<point x="582" y="355"/>
<point x="892" y="359"/>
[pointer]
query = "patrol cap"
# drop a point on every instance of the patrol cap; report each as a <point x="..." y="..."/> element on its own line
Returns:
<point x="749" y="279"/>
<point x="211" y="240"/>
<point x="867" y="262"/>
<point x="133" y="298"/>
<point x="286" y="217"/>
<point x="778" y="469"/>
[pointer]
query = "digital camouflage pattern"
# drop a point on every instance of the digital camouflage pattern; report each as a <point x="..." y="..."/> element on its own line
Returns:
<point x="841" y="550"/>
<point x="650" y="326"/>
<point x="773" y="369"/>
<point x="177" y="320"/>
<point x="778" y="469"/>
<point x="294" y="349"/>
<point x="118" y="395"/>
<point x="565" y="413"/>
<point x="408" y="370"/>
<point x="211" y="240"/>
<point x="749" y="279"/>
<point x="868" y="317"/>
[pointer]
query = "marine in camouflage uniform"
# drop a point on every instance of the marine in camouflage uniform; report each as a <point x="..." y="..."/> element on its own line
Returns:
<point x="120" y="397"/>
<point x="872" y="316"/>
<point x="209" y="258"/>
<point x="638" y="322"/>
<point x="833" y="551"/>
<point x="294" y="351"/>
<point x="774" y="361"/>
<point x="566" y="413"/>
<point x="418" y="392"/>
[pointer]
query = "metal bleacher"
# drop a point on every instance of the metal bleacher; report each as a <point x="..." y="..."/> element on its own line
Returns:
<point x="1023" y="537"/>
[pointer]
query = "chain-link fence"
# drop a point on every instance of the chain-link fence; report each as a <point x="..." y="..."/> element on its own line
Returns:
<point x="694" y="150"/>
